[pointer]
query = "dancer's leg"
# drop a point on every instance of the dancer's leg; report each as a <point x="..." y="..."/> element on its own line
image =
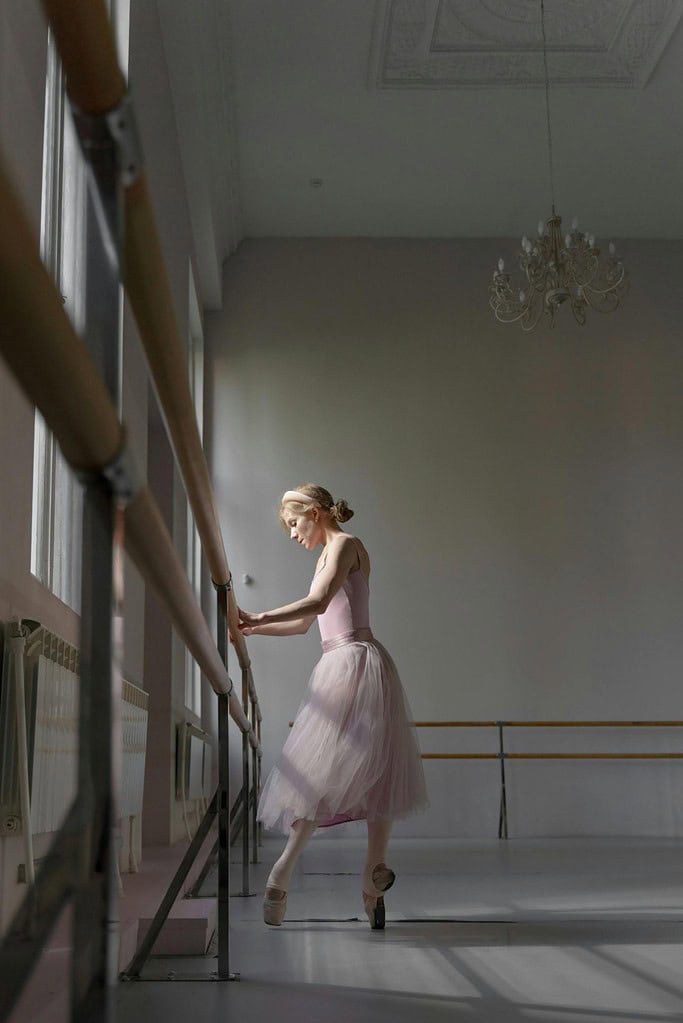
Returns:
<point x="281" y="873"/>
<point x="378" y="841"/>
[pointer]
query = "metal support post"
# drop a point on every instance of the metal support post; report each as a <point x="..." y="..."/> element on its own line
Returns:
<point x="95" y="918"/>
<point x="254" y="782"/>
<point x="245" y="789"/>
<point x="94" y="964"/>
<point x="223" y="799"/>
<point x="258" y="777"/>
<point x="503" y="815"/>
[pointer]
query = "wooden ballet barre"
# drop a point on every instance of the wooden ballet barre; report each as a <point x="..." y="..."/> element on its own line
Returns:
<point x="85" y="42"/>
<point x="592" y="724"/>
<point x="552" y="756"/>
<point x="94" y="82"/>
<point x="455" y="724"/>
<point x="460" y="756"/>
<point x="548" y="724"/>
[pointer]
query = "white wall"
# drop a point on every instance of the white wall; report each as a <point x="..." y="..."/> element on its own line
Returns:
<point x="521" y="497"/>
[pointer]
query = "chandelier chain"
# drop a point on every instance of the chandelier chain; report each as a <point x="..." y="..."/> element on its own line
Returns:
<point x="547" y="110"/>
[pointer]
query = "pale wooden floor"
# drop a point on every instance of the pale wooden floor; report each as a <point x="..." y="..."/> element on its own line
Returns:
<point x="542" y="930"/>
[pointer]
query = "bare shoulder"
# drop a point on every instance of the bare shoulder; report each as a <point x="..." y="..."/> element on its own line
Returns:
<point x="351" y="545"/>
<point x="363" y="556"/>
<point x="339" y="543"/>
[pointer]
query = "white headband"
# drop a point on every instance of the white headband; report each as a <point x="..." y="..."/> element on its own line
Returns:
<point x="297" y="495"/>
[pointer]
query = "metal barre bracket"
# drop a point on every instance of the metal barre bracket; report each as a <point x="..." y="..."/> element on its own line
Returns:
<point x="116" y="127"/>
<point x="120" y="473"/>
<point x="222" y="587"/>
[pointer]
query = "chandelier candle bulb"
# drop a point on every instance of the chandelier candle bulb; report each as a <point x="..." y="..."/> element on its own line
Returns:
<point x="612" y="249"/>
<point x="540" y="228"/>
<point x="575" y="224"/>
<point x="501" y="265"/>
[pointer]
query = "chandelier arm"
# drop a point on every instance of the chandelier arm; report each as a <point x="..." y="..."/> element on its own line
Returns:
<point x="507" y="311"/>
<point x="611" y="288"/>
<point x="601" y="302"/>
<point x="534" y="323"/>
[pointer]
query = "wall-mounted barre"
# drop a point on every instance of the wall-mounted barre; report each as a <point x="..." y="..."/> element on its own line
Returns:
<point x="502" y="755"/>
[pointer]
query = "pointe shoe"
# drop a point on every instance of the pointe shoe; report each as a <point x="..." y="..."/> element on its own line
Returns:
<point x="274" y="906"/>
<point x="374" y="909"/>
<point x="382" y="879"/>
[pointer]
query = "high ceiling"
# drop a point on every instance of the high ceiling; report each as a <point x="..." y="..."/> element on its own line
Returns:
<point x="426" y="118"/>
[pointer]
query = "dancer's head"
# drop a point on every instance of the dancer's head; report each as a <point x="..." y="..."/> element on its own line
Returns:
<point x="308" y="511"/>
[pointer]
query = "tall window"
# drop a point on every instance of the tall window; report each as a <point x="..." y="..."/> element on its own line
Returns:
<point x="195" y="353"/>
<point x="57" y="497"/>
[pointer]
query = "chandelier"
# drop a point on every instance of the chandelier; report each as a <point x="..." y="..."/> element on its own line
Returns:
<point x="557" y="269"/>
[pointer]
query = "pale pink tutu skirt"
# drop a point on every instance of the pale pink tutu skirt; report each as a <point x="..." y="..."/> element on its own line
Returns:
<point x="352" y="752"/>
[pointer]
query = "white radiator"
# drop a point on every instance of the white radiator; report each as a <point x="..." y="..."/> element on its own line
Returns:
<point x="134" y="715"/>
<point x="52" y="686"/>
<point x="207" y="773"/>
<point x="54" y="757"/>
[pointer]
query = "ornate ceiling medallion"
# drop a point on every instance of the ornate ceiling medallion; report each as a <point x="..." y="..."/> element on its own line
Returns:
<point x="441" y="44"/>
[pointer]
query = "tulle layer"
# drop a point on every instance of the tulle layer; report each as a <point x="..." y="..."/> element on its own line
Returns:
<point x="352" y="752"/>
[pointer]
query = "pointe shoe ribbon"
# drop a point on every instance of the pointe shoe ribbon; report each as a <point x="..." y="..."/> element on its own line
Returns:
<point x="274" y="906"/>
<point x="381" y="878"/>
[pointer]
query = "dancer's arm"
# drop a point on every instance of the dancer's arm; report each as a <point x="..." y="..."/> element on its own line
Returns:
<point x="296" y="628"/>
<point x="341" y="559"/>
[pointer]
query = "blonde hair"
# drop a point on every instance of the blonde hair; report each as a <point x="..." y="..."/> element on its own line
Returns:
<point x="339" y="511"/>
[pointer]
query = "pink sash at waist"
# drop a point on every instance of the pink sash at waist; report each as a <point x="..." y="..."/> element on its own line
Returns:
<point x="354" y="636"/>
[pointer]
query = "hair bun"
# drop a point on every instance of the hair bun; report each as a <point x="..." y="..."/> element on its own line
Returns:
<point x="341" y="511"/>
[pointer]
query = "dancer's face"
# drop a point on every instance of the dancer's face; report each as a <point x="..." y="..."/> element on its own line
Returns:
<point x="304" y="527"/>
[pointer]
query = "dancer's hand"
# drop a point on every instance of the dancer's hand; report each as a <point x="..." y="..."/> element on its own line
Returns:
<point x="247" y="621"/>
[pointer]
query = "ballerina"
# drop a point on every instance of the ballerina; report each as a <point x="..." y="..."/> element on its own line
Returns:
<point x="352" y="753"/>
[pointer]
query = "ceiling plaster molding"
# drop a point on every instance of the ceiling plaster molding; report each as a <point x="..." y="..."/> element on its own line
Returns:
<point x="442" y="44"/>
